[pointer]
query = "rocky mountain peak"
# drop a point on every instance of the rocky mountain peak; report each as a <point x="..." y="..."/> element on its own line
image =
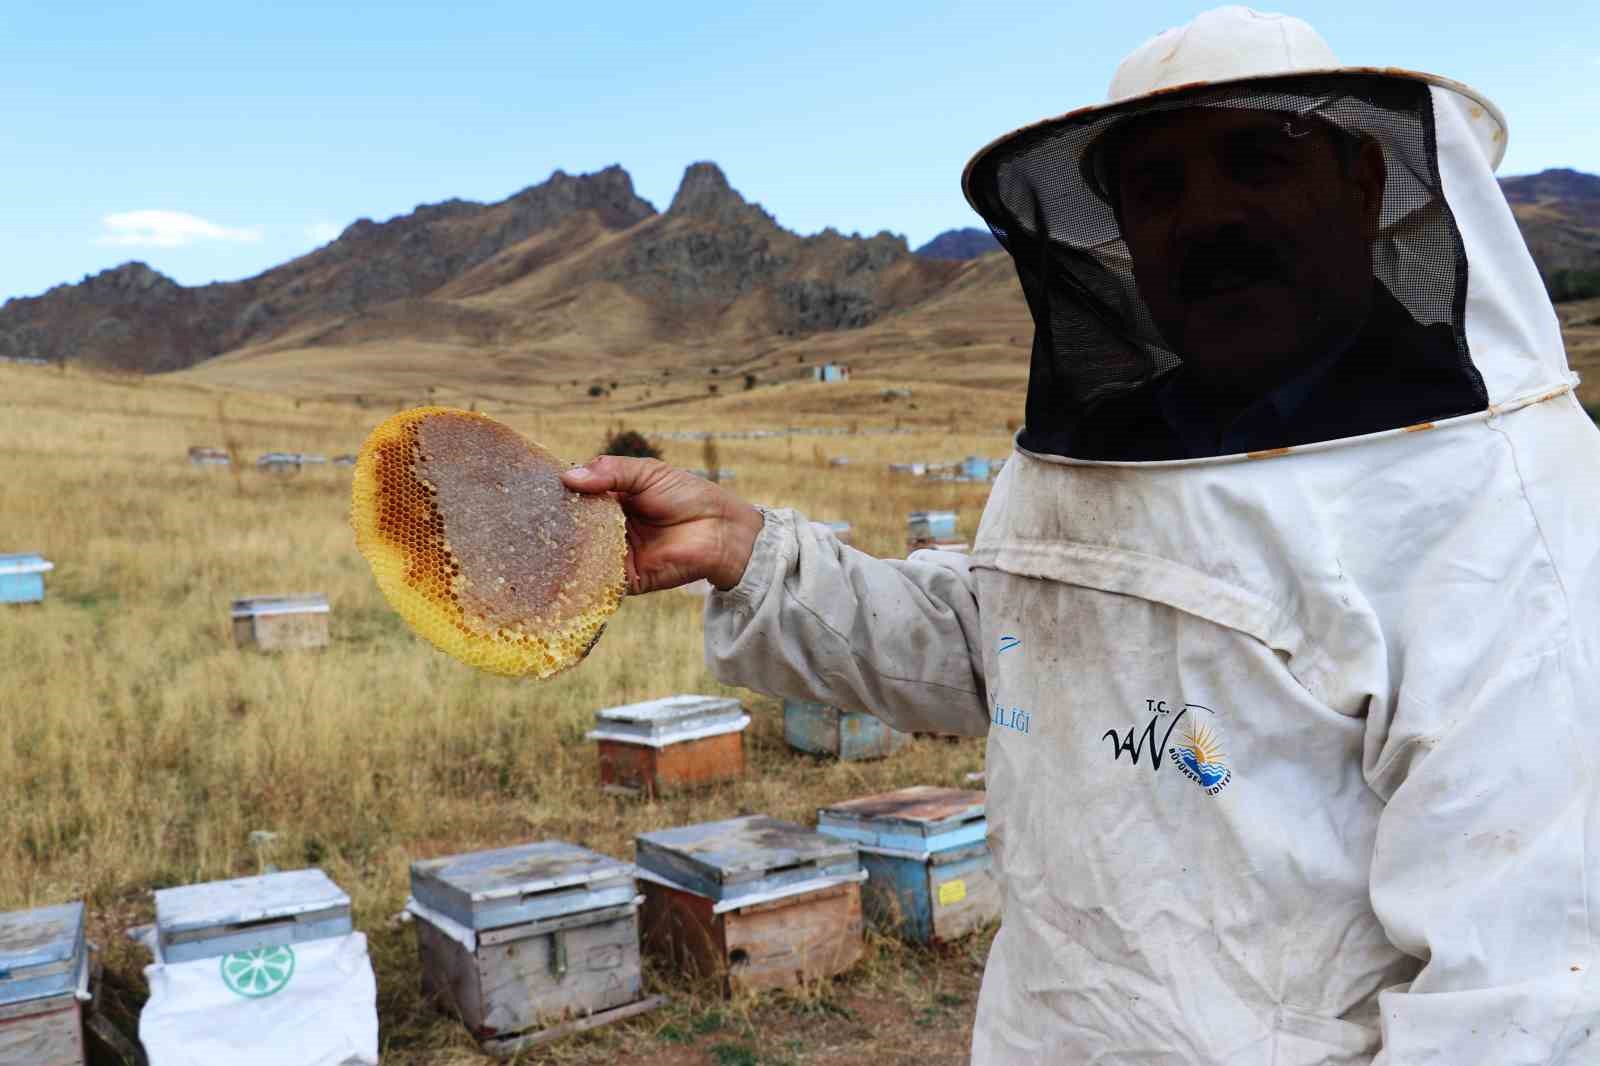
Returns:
<point x="705" y="193"/>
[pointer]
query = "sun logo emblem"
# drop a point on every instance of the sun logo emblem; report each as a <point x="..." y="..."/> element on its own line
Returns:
<point x="1200" y="758"/>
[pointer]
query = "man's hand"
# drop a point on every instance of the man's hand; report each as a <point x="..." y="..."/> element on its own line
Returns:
<point x="680" y="528"/>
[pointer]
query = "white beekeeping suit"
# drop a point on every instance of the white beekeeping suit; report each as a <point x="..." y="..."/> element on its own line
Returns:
<point x="1290" y="753"/>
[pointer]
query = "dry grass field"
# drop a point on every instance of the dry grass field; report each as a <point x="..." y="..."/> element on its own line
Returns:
<point x="140" y="749"/>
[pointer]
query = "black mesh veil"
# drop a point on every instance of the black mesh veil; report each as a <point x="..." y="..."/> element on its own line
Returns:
<point x="1096" y="343"/>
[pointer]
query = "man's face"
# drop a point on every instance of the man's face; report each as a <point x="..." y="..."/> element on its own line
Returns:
<point x="1250" y="237"/>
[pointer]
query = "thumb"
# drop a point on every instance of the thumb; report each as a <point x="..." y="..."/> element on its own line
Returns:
<point x="613" y="473"/>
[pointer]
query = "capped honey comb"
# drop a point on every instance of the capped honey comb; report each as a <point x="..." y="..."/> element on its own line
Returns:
<point x="480" y="548"/>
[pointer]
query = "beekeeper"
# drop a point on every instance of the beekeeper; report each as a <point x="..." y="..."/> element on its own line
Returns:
<point x="1281" y="620"/>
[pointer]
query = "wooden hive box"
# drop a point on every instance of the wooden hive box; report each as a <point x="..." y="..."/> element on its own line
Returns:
<point x="22" y="577"/>
<point x="846" y="735"/>
<point x="926" y="853"/>
<point x="278" y="623"/>
<point x="218" y="918"/>
<point x="840" y="530"/>
<point x="44" y="982"/>
<point x="757" y="902"/>
<point x="669" y="744"/>
<point x="529" y="943"/>
<point x="932" y="529"/>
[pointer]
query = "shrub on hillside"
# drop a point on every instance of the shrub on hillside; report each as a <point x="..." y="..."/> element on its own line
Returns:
<point x="632" y="443"/>
<point x="1564" y="285"/>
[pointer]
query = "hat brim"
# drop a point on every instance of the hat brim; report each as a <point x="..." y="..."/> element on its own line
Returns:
<point x="1488" y="123"/>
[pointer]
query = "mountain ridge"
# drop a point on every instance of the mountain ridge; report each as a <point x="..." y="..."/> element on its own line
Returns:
<point x="580" y="271"/>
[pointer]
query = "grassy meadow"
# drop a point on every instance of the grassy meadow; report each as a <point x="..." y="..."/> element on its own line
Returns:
<point x="140" y="749"/>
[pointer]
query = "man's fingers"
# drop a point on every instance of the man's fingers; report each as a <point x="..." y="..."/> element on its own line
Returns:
<point x="613" y="473"/>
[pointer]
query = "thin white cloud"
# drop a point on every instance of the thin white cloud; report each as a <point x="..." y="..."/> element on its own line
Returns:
<point x="168" y="229"/>
<point x="323" y="232"/>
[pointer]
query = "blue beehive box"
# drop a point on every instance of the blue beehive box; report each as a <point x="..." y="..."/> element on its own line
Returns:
<point x="44" y="979"/>
<point x="819" y="729"/>
<point x="22" y="577"/>
<point x="975" y="467"/>
<point x="207" y="921"/>
<point x="926" y="853"/>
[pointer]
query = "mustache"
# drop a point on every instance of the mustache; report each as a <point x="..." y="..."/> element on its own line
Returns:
<point x="1228" y="255"/>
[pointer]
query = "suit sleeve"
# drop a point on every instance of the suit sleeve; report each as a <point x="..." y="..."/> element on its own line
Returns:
<point x="1484" y="870"/>
<point x="816" y="619"/>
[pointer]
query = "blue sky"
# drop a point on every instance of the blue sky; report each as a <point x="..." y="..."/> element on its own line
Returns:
<point x="213" y="140"/>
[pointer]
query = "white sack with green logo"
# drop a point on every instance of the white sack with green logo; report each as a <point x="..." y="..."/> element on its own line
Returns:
<point x="307" y="1004"/>
<point x="1292" y="752"/>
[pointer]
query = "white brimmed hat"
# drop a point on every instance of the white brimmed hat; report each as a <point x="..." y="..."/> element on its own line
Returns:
<point x="1227" y="46"/>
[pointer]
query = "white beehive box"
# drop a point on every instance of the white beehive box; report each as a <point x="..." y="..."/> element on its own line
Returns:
<point x="529" y="942"/>
<point x="219" y="918"/>
<point x="44" y="981"/>
<point x="274" y="623"/>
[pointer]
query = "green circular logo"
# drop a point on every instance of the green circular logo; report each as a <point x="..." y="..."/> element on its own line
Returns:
<point x="259" y="973"/>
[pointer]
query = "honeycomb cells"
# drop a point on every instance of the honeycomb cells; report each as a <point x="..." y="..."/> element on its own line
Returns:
<point x="477" y="545"/>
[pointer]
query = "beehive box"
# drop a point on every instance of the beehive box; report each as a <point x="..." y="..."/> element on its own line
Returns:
<point x="932" y="529"/>
<point x="218" y="918"/>
<point x="277" y="623"/>
<point x="523" y="942"/>
<point x="975" y="468"/>
<point x="757" y="902"/>
<point x="22" y="577"/>
<point x="279" y="463"/>
<point x="840" y="530"/>
<point x="926" y="853"/>
<point x="200" y="455"/>
<point x="44" y="982"/>
<point x="846" y="735"/>
<point x="669" y="744"/>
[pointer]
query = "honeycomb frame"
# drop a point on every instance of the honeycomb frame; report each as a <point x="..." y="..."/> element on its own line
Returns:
<point x="405" y="536"/>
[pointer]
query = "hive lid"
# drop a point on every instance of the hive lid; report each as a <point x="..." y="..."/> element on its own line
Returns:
<point x="743" y="856"/>
<point x="670" y="720"/>
<point x="246" y="900"/>
<point x="258" y="606"/>
<point x="489" y="889"/>
<point x="920" y="819"/>
<point x="25" y="563"/>
<point x="39" y="951"/>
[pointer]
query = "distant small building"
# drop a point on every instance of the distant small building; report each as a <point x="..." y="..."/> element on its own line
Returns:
<point x="828" y="372"/>
<point x="22" y="577"/>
